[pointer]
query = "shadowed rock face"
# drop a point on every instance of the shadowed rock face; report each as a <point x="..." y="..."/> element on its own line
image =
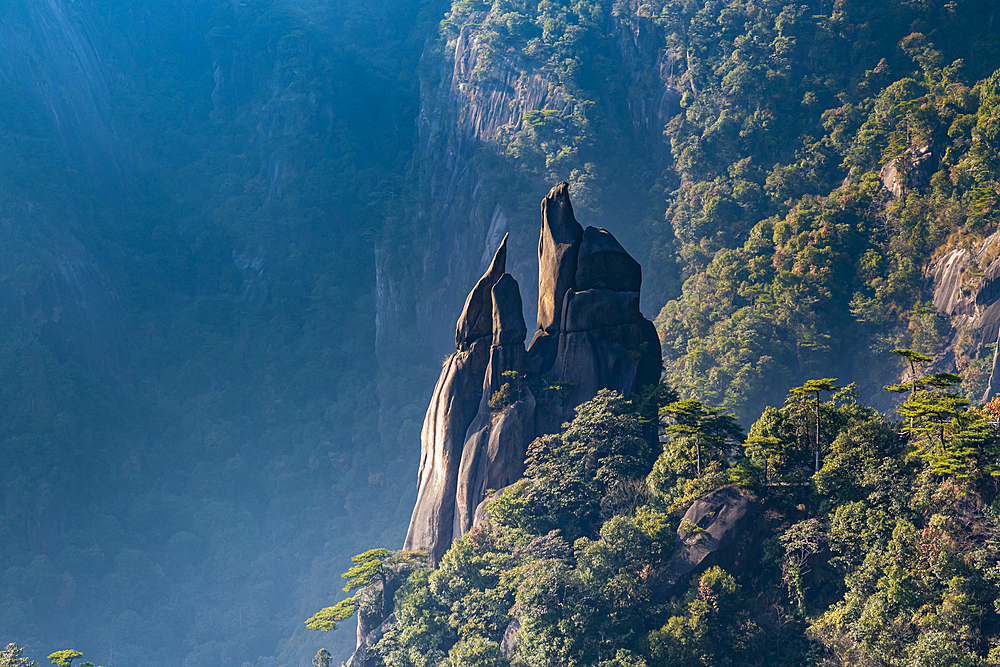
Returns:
<point x="508" y="316"/>
<point x="558" y="245"/>
<point x="483" y="414"/>
<point x="727" y="517"/>
<point x="604" y="264"/>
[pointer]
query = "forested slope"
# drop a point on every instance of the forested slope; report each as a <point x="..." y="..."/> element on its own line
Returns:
<point x="725" y="551"/>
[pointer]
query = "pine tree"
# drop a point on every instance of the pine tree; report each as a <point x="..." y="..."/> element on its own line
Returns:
<point x="814" y="388"/>
<point x="708" y="427"/>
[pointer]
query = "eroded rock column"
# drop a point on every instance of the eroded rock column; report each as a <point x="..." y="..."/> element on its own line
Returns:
<point x="453" y="407"/>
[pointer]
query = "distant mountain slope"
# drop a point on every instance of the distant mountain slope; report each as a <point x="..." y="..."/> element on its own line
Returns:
<point x="784" y="170"/>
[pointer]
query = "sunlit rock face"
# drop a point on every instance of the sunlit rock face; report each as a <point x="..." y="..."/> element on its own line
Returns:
<point x="494" y="397"/>
<point x="964" y="284"/>
<point x="454" y="405"/>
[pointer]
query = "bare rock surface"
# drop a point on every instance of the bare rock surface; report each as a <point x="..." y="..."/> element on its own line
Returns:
<point x="453" y="407"/>
<point x="494" y="458"/>
<point x="989" y="290"/>
<point x="476" y="320"/>
<point x="608" y="357"/>
<point x="558" y="245"/>
<point x="964" y="285"/>
<point x="481" y="513"/>
<point x="360" y="656"/>
<point x="604" y="264"/>
<point x="508" y="312"/>
<point x="594" y="308"/>
<point x="542" y="351"/>
<point x="724" y="533"/>
<point x="509" y="643"/>
<point x="910" y="170"/>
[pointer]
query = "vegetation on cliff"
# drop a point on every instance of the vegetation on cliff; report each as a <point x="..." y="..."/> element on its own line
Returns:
<point x="815" y="157"/>
<point x="883" y="557"/>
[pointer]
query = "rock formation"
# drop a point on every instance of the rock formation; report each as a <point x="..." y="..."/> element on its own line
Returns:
<point x="494" y="397"/>
<point x="725" y="519"/>
<point x="454" y="405"/>
<point x="964" y="284"/>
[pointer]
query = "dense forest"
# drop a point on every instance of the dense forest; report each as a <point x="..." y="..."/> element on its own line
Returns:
<point x="888" y="555"/>
<point x="234" y="236"/>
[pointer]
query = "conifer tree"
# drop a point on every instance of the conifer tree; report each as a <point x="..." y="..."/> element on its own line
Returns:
<point x="370" y="567"/>
<point x="951" y="439"/>
<point x="814" y="388"/>
<point x="707" y="426"/>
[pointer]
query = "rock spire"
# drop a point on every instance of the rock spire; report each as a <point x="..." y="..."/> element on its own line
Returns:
<point x="490" y="401"/>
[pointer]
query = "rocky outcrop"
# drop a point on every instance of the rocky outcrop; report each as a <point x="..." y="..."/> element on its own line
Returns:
<point x="491" y="399"/>
<point x="964" y="285"/>
<point x="558" y="247"/>
<point x="911" y="170"/>
<point x="454" y="406"/>
<point x="476" y="320"/>
<point x="509" y="642"/>
<point x="718" y="529"/>
<point x="496" y="442"/>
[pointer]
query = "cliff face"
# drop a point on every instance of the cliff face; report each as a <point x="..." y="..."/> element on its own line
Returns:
<point x="470" y="189"/>
<point x="964" y="286"/>
<point x="52" y="54"/>
<point x="494" y="396"/>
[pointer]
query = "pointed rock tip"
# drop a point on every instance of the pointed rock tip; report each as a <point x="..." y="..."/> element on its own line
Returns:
<point x="499" y="260"/>
<point x="476" y="320"/>
<point x="559" y="191"/>
<point x="557" y="202"/>
<point x="558" y="243"/>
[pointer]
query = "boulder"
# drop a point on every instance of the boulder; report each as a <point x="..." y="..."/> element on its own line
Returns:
<point x="558" y="245"/>
<point x="476" y="320"/>
<point x="602" y="263"/>
<point x="509" y="643"/>
<point x="595" y="308"/>
<point x="910" y="170"/>
<point x="725" y="533"/>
